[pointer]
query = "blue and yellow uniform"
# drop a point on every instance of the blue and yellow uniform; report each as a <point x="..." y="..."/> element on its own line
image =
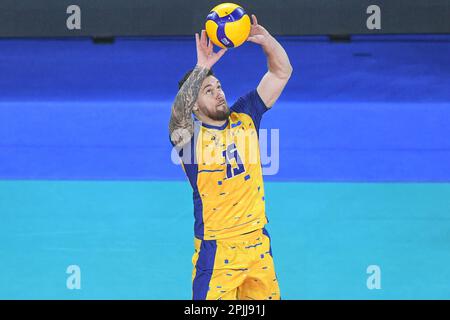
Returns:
<point x="233" y="258"/>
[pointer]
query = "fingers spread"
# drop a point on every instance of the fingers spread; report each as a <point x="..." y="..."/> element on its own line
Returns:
<point x="222" y="52"/>
<point x="254" y="40"/>
<point x="203" y="39"/>
<point x="210" y="46"/>
<point x="255" y="21"/>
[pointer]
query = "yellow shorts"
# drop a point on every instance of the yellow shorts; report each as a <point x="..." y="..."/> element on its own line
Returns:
<point x="239" y="268"/>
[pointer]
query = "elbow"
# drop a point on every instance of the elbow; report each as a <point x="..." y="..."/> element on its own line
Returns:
<point x="289" y="71"/>
<point x="286" y="72"/>
<point x="181" y="135"/>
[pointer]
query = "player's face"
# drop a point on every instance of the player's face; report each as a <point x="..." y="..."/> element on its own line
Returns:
<point x="211" y="100"/>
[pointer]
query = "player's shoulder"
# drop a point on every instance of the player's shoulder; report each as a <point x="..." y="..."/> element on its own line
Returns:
<point x="249" y="98"/>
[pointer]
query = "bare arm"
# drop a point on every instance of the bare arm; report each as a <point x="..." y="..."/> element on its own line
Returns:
<point x="181" y="125"/>
<point x="280" y="69"/>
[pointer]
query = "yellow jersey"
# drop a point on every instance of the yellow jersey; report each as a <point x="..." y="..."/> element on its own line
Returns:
<point x="223" y="166"/>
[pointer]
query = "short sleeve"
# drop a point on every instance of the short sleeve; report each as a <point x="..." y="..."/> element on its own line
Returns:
<point x="251" y="104"/>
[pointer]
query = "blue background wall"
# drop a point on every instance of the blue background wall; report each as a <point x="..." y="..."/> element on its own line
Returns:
<point x="361" y="111"/>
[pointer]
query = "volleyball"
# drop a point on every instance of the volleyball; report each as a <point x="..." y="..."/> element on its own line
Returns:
<point x="228" y="25"/>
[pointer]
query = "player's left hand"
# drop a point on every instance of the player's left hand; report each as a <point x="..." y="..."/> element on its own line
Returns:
<point x="258" y="34"/>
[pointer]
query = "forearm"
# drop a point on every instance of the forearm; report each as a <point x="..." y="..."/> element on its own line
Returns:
<point x="181" y="125"/>
<point x="277" y="59"/>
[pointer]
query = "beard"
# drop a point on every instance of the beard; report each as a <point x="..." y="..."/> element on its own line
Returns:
<point x="221" y="113"/>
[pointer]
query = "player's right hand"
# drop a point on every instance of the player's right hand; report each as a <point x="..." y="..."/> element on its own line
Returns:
<point x="206" y="57"/>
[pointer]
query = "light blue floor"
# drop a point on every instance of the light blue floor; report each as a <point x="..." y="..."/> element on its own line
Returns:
<point x="133" y="240"/>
